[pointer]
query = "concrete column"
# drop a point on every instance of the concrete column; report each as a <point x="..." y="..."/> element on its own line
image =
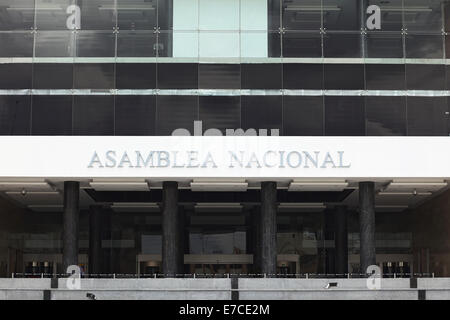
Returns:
<point x="367" y="224"/>
<point x="95" y="239"/>
<point x="70" y="223"/>
<point x="171" y="245"/>
<point x="329" y="241"/>
<point x="341" y="240"/>
<point x="268" y="225"/>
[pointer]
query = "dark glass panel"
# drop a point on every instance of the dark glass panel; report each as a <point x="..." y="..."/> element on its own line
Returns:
<point x="98" y="14"/>
<point x="274" y="44"/>
<point x="93" y="76"/>
<point x="424" y="46"/>
<point x="302" y="76"/>
<point x="261" y="76"/>
<point x="384" y="45"/>
<point x="177" y="76"/>
<point x="341" y="14"/>
<point x="93" y="115"/>
<point x="52" y="115"/>
<point x="176" y="112"/>
<point x="164" y="45"/>
<point x="342" y="45"/>
<point x="15" y="76"/>
<point x="52" y="76"/>
<point x="17" y="14"/>
<point x="344" y="116"/>
<point x="391" y="14"/>
<point x="219" y="76"/>
<point x="386" y="116"/>
<point x="303" y="116"/>
<point x="425" y="77"/>
<point x="261" y="112"/>
<point x="16" y="44"/>
<point x="344" y="76"/>
<point x="136" y="75"/>
<point x="52" y="14"/>
<point x="426" y="116"/>
<point x="423" y="15"/>
<point x="96" y="44"/>
<point x="274" y="14"/>
<point x="165" y="14"/>
<point x="385" y="76"/>
<point x="136" y="44"/>
<point x="220" y="112"/>
<point x="136" y="14"/>
<point x="302" y="14"/>
<point x="302" y="45"/>
<point x="15" y="115"/>
<point x="55" y="44"/>
<point x="135" y="115"/>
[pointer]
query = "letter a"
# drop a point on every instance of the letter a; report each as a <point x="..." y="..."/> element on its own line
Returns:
<point x="374" y="21"/>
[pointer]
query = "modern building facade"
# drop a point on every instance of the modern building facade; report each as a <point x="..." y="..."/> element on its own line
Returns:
<point x="224" y="136"/>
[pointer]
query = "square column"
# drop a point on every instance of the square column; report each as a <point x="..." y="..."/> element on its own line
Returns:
<point x="367" y="224"/>
<point x="268" y="228"/>
<point x="171" y="244"/>
<point x="70" y="223"/>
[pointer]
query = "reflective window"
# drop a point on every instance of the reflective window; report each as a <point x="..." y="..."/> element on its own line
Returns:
<point x="17" y="14"/>
<point x="344" y="76"/>
<point x="301" y="44"/>
<point x="303" y="116"/>
<point x="220" y="112"/>
<point x="55" y="44"/>
<point x="176" y="112"/>
<point x="15" y="115"/>
<point x="136" y="44"/>
<point x="93" y="115"/>
<point x="135" y="115"/>
<point x="93" y="76"/>
<point x="219" y="76"/>
<point x="342" y="45"/>
<point x="18" y="44"/>
<point x="302" y="76"/>
<point x="385" y="76"/>
<point x="136" y="75"/>
<point x="344" y="116"/>
<point x="425" y="76"/>
<point x="177" y="76"/>
<point x="261" y="76"/>
<point x="384" y="45"/>
<point x="52" y="115"/>
<point x="52" y="76"/>
<point x="96" y="44"/>
<point x="137" y="14"/>
<point x="97" y="14"/>
<point x="424" y="46"/>
<point x="15" y="76"/>
<point x="386" y="116"/>
<point x="262" y="112"/>
<point x="302" y="14"/>
<point x="341" y="15"/>
<point x="426" y="116"/>
<point x="423" y="15"/>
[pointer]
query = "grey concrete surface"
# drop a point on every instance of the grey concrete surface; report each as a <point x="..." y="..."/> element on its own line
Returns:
<point x="22" y="283"/>
<point x="433" y="283"/>
<point x="318" y="284"/>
